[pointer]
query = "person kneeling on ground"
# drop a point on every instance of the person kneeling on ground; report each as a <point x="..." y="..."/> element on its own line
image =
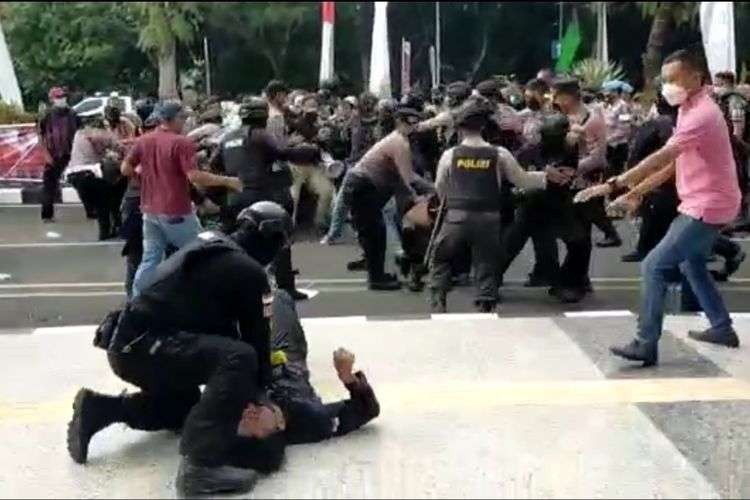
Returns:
<point x="204" y="319"/>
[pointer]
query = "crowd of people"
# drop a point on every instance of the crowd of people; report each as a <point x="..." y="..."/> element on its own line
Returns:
<point x="461" y="180"/>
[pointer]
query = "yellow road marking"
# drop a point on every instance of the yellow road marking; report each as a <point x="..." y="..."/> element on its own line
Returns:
<point x="476" y="396"/>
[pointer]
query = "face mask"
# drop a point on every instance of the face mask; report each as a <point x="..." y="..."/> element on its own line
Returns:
<point x="674" y="94"/>
<point x="60" y="103"/>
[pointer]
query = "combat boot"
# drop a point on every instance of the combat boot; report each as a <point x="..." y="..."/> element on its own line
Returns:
<point x="438" y="302"/>
<point x="92" y="412"/>
<point x="197" y="480"/>
<point x="486" y="306"/>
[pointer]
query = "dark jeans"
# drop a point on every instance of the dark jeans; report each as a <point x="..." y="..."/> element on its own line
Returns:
<point x="480" y="232"/>
<point x="598" y="216"/>
<point x="103" y="197"/>
<point x="283" y="270"/>
<point x="51" y="186"/>
<point x="366" y="204"/>
<point x="170" y="381"/>
<point x="687" y="246"/>
<point x="131" y="231"/>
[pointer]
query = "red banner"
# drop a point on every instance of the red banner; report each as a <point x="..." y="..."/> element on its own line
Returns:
<point x="21" y="156"/>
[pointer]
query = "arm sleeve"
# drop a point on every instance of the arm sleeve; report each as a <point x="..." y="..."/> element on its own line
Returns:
<point x="443" y="172"/>
<point x="187" y="156"/>
<point x="689" y="134"/>
<point x="596" y="159"/>
<point x="303" y="154"/>
<point x="216" y="163"/>
<point x="255" y="327"/>
<point x="359" y="409"/>
<point x="134" y="156"/>
<point x="508" y="167"/>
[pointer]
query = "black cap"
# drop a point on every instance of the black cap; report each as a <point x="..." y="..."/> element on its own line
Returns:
<point x="407" y="114"/>
<point x="475" y="115"/>
<point x="488" y="88"/>
<point x="569" y="86"/>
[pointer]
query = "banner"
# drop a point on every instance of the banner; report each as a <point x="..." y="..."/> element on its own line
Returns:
<point x="602" y="45"/>
<point x="717" y="29"/>
<point x="21" y="156"/>
<point x="326" y="45"/>
<point x="380" y="61"/>
<point x="405" y="67"/>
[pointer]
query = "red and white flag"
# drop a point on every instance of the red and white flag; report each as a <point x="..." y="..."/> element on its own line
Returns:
<point x="380" y="65"/>
<point x="326" y="47"/>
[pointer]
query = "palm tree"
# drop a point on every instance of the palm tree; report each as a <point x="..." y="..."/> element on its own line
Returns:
<point x="666" y="17"/>
<point x="163" y="26"/>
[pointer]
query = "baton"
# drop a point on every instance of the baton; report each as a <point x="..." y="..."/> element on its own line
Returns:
<point x="435" y="230"/>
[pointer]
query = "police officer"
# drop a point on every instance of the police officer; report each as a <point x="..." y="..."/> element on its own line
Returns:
<point x="469" y="182"/>
<point x="259" y="160"/>
<point x="203" y="320"/>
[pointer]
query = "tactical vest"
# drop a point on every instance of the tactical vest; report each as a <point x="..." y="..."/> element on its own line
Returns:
<point x="473" y="180"/>
<point x="254" y="174"/>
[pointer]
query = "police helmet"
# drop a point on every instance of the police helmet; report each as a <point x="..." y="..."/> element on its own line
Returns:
<point x="253" y="109"/>
<point x="264" y="228"/>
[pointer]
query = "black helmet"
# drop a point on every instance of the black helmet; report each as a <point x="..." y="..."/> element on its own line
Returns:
<point x="553" y="131"/>
<point x="253" y="109"/>
<point x="264" y="228"/>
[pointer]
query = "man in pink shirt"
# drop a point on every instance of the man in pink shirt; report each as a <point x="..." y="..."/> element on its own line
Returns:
<point x="710" y="198"/>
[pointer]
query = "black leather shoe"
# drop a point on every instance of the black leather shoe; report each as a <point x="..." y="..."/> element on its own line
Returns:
<point x="632" y="257"/>
<point x="196" y="480"/>
<point x="357" y="265"/>
<point x="610" y="242"/>
<point x="570" y="295"/>
<point x="537" y="282"/>
<point x="726" y="338"/>
<point x="387" y="283"/>
<point x="637" y="350"/>
<point x="92" y="412"/>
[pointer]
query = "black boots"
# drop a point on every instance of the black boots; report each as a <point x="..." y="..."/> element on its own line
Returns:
<point x="92" y="412"/>
<point x="637" y="350"/>
<point x="727" y="338"/>
<point x="357" y="265"/>
<point x="197" y="480"/>
<point x="485" y="306"/>
<point x="385" y="283"/>
<point x="611" y="241"/>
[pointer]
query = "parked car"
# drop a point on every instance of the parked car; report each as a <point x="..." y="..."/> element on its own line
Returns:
<point x="92" y="106"/>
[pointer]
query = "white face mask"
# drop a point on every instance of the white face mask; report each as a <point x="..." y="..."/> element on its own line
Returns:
<point x="674" y="94"/>
<point x="60" y="102"/>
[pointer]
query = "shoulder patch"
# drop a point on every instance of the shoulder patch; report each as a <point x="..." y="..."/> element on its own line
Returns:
<point x="234" y="143"/>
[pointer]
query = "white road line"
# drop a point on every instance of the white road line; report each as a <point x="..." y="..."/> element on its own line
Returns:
<point x="56" y="330"/>
<point x="59" y="294"/>
<point x="598" y="314"/>
<point x="103" y="284"/>
<point x="37" y="205"/>
<point x="61" y="244"/>
<point x="11" y="195"/>
<point x="340" y="320"/>
<point x="463" y="316"/>
<point x="739" y="315"/>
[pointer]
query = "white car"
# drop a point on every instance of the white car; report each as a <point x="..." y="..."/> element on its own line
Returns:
<point x="92" y="106"/>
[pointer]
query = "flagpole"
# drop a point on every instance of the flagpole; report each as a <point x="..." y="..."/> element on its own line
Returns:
<point x="437" y="42"/>
<point x="207" y="57"/>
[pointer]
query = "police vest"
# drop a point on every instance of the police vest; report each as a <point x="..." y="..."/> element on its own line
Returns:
<point x="250" y="166"/>
<point x="473" y="180"/>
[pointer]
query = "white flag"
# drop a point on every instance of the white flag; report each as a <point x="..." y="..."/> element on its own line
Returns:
<point x="326" y="46"/>
<point x="717" y="28"/>
<point x="380" y="62"/>
<point x="9" y="91"/>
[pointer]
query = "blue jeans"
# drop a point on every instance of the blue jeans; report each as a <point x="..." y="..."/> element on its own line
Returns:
<point x="686" y="246"/>
<point x="338" y="212"/>
<point x="159" y="231"/>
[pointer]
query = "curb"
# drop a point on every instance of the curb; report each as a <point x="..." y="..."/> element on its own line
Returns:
<point x="32" y="195"/>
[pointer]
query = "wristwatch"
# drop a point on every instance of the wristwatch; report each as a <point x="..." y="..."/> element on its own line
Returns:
<point x="612" y="183"/>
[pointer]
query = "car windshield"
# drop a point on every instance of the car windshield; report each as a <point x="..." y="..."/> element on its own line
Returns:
<point x="88" y="105"/>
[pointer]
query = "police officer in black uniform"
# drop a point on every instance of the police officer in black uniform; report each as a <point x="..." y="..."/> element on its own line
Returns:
<point x="203" y="320"/>
<point x="259" y="160"/>
<point x="469" y="182"/>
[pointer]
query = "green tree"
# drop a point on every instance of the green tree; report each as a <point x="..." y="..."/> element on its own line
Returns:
<point x="666" y="17"/>
<point x="164" y="25"/>
<point x="85" y="46"/>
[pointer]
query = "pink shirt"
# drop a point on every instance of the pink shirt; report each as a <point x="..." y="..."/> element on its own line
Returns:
<point x="706" y="173"/>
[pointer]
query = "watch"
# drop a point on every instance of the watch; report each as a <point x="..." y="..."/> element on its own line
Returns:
<point x="612" y="183"/>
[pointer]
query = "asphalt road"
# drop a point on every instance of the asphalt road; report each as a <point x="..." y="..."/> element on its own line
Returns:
<point x="59" y="275"/>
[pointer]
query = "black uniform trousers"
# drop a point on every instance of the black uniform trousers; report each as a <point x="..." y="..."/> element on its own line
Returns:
<point x="283" y="270"/>
<point x="131" y="231"/>
<point x="657" y="211"/>
<point x="480" y="231"/>
<point x="170" y="396"/>
<point x="51" y="185"/>
<point x="103" y="198"/>
<point x="532" y="221"/>
<point x="366" y="207"/>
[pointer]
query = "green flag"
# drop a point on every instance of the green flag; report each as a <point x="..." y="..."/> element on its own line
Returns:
<point x="569" y="46"/>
